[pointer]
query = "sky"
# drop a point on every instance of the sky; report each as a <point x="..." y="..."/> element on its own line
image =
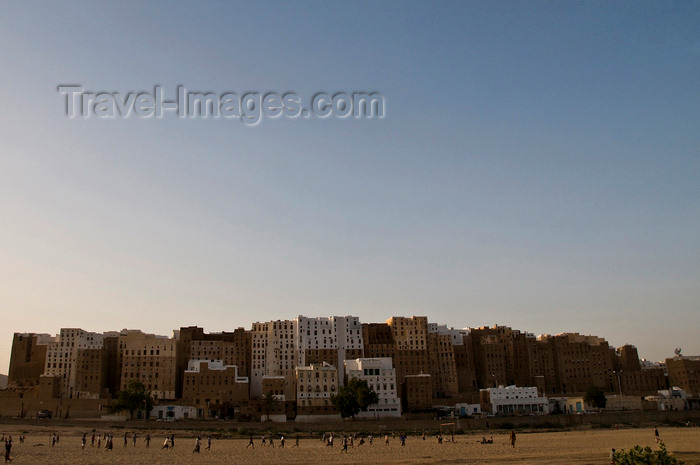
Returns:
<point x="537" y="166"/>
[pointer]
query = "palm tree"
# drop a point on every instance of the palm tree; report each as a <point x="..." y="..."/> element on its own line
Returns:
<point x="268" y="400"/>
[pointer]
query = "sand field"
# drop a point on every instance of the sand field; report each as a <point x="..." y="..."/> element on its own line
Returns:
<point x="570" y="447"/>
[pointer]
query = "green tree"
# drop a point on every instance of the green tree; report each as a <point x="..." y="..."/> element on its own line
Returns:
<point x="354" y="397"/>
<point x="595" y="397"/>
<point x="646" y="456"/>
<point x="268" y="401"/>
<point x="134" y="397"/>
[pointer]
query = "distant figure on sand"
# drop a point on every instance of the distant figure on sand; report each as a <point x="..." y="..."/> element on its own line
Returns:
<point x="656" y="434"/>
<point x="250" y="442"/>
<point x="8" y="448"/>
<point x="512" y="438"/>
<point x="197" y="445"/>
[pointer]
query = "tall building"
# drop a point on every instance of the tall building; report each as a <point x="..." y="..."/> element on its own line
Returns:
<point x="76" y="357"/>
<point x="150" y="359"/>
<point x="443" y="365"/>
<point x="315" y="385"/>
<point x="273" y="352"/>
<point x="213" y="388"/>
<point x="332" y="340"/>
<point x="582" y="362"/>
<point x="232" y="348"/>
<point x="28" y="358"/>
<point x="684" y="372"/>
<point x="410" y="337"/>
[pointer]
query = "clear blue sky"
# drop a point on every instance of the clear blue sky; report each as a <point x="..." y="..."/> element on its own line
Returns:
<point x="538" y="167"/>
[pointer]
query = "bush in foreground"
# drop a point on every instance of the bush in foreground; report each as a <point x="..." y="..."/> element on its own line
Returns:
<point x="646" y="456"/>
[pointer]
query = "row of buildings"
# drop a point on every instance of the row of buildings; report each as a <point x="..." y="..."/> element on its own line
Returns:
<point x="411" y="363"/>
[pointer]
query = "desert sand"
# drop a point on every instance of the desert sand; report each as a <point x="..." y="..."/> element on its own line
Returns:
<point x="570" y="447"/>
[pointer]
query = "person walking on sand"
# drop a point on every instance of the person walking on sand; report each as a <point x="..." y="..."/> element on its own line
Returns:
<point x="612" y="457"/>
<point x="282" y="441"/>
<point x="272" y="443"/>
<point x="386" y="439"/>
<point x="263" y="440"/>
<point x="92" y="441"/>
<point x="133" y="439"/>
<point x="8" y="449"/>
<point x="296" y="441"/>
<point x="126" y="439"/>
<point x="197" y="445"/>
<point x="83" y="441"/>
<point x="166" y="443"/>
<point x="656" y="434"/>
<point x="250" y="442"/>
<point x="345" y="445"/>
<point x="172" y="441"/>
<point x="512" y="439"/>
<point x="208" y="442"/>
<point x="148" y="439"/>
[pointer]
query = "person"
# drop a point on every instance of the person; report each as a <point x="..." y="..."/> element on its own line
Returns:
<point x="196" y="445"/>
<point x="263" y="440"/>
<point x="172" y="441"/>
<point x="92" y="441"/>
<point x="250" y="442"/>
<point x="99" y="441"/>
<point x="386" y="439"/>
<point x="402" y="438"/>
<point x="8" y="448"/>
<point x="148" y="439"/>
<point x="126" y="439"/>
<point x="272" y="443"/>
<point x="330" y="440"/>
<point x="371" y="438"/>
<point x="296" y="441"/>
<point x="362" y="441"/>
<point x="612" y="457"/>
<point x="439" y="438"/>
<point x="133" y="439"/>
<point x="166" y="443"/>
<point x="424" y="435"/>
<point x="512" y="439"/>
<point x="345" y="445"/>
<point x="656" y="434"/>
<point x="83" y="441"/>
<point x="208" y="442"/>
<point x="282" y="441"/>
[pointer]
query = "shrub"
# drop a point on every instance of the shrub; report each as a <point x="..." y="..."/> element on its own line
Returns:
<point x="646" y="456"/>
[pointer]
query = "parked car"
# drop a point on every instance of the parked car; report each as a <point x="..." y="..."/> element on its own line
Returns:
<point x="43" y="414"/>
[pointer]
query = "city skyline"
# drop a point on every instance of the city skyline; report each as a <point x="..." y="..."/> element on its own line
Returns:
<point x="536" y="166"/>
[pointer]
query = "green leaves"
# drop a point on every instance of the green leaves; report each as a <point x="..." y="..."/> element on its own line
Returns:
<point x="133" y="398"/>
<point x="646" y="456"/>
<point x="353" y="397"/>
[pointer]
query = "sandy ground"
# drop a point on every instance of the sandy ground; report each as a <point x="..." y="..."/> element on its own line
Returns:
<point x="572" y="447"/>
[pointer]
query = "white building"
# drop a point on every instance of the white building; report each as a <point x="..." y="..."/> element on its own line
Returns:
<point x="339" y="336"/>
<point x="381" y="378"/>
<point x="62" y="359"/>
<point x="669" y="399"/>
<point x="513" y="399"/>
